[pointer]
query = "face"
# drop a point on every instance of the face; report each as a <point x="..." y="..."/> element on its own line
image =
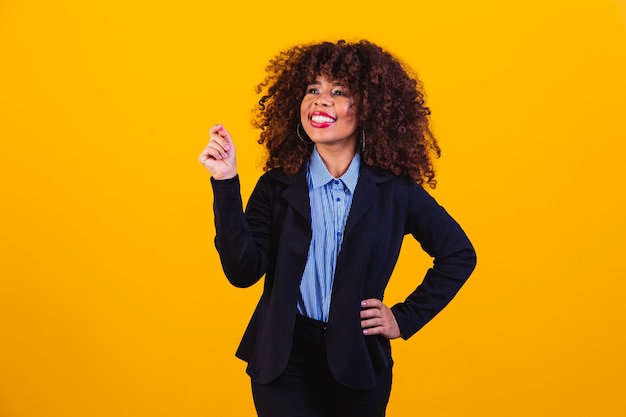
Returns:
<point x="327" y="113"/>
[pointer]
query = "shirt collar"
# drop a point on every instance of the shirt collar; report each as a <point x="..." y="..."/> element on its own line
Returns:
<point x="320" y="176"/>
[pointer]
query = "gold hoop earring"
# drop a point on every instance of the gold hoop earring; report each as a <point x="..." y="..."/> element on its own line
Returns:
<point x="362" y="140"/>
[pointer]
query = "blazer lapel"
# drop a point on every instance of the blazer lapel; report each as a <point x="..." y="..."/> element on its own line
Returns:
<point x="365" y="196"/>
<point x="297" y="195"/>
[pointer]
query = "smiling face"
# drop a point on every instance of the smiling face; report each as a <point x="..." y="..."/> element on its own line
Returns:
<point x="328" y="114"/>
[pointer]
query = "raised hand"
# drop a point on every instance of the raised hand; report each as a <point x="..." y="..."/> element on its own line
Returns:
<point x="218" y="157"/>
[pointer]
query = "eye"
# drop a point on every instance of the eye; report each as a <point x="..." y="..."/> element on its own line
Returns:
<point x="311" y="90"/>
<point x="340" y="92"/>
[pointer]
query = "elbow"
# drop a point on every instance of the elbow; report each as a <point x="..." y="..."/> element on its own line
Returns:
<point x="241" y="283"/>
<point x="473" y="259"/>
<point x="469" y="260"/>
<point x="460" y="264"/>
<point x="241" y="275"/>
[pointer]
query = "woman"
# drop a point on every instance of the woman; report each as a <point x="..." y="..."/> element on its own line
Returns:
<point x="349" y="147"/>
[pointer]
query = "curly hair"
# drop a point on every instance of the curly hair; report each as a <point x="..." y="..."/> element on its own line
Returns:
<point x="388" y="98"/>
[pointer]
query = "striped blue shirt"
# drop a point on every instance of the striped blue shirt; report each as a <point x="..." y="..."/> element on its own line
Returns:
<point x="331" y="199"/>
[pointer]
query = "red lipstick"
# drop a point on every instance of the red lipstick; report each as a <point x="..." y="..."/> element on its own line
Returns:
<point x="320" y="119"/>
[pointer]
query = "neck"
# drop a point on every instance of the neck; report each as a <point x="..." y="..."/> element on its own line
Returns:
<point x="336" y="159"/>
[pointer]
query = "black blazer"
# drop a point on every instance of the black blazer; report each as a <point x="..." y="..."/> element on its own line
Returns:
<point x="272" y="239"/>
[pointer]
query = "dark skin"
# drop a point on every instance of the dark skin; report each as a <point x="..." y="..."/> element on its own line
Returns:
<point x="391" y="113"/>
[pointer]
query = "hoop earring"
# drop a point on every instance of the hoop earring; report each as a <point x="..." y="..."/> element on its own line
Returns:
<point x="300" y="136"/>
<point x="362" y="140"/>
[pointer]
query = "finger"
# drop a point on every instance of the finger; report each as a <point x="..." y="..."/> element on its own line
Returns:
<point x="371" y="303"/>
<point x="373" y="330"/>
<point x="222" y="136"/>
<point x="373" y="322"/>
<point x="226" y="135"/>
<point x="215" y="129"/>
<point x="225" y="162"/>
<point x="218" y="144"/>
<point x="212" y="151"/>
<point x="370" y="313"/>
<point x="216" y="147"/>
<point x="372" y="317"/>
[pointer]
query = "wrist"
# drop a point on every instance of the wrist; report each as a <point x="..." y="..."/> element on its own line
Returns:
<point x="224" y="182"/>
<point x="223" y="177"/>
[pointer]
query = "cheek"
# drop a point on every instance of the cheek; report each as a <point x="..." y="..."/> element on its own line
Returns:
<point x="350" y="108"/>
<point x="351" y="112"/>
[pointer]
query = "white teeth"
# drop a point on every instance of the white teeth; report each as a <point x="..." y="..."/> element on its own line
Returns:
<point x="322" y="119"/>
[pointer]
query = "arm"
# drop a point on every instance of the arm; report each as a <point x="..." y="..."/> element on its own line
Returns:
<point x="242" y="241"/>
<point x="454" y="260"/>
<point x="243" y="254"/>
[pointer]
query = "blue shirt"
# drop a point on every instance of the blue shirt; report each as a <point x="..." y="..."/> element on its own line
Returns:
<point x="330" y="199"/>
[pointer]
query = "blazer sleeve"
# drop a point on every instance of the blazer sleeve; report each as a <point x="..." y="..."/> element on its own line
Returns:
<point x="242" y="240"/>
<point x="454" y="260"/>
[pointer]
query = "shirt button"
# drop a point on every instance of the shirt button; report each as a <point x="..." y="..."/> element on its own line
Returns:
<point x="337" y="182"/>
<point x="338" y="199"/>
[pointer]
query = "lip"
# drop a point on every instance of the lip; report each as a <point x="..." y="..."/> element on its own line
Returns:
<point x="320" y="119"/>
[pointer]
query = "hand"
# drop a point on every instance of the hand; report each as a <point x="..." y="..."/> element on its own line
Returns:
<point x="377" y="318"/>
<point x="218" y="157"/>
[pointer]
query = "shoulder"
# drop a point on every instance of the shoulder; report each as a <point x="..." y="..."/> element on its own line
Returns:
<point x="275" y="181"/>
<point x="395" y="184"/>
<point x="406" y="192"/>
<point x="276" y="177"/>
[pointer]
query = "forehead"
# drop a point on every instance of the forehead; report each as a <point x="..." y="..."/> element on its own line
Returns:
<point x="323" y="79"/>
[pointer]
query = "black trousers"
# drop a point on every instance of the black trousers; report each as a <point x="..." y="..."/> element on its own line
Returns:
<point x="307" y="388"/>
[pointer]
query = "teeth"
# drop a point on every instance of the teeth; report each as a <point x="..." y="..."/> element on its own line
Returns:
<point x="322" y="119"/>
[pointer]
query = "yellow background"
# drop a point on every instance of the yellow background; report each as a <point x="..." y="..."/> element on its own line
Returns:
<point x="112" y="300"/>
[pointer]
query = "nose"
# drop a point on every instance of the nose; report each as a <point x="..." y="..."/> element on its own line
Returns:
<point x="324" y="99"/>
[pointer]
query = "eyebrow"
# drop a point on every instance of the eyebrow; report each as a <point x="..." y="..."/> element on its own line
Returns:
<point x="334" y="83"/>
